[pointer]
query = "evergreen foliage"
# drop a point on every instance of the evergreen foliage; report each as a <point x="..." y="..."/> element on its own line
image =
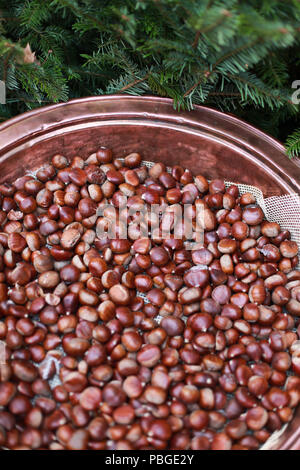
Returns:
<point x="237" y="56"/>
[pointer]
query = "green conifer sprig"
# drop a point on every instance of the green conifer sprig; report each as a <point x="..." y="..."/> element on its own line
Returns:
<point x="236" y="56"/>
<point x="293" y="144"/>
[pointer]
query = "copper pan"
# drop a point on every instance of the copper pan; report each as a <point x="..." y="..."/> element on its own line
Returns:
<point x="204" y="140"/>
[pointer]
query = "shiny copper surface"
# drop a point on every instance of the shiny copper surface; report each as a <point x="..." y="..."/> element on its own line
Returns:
<point x="204" y="140"/>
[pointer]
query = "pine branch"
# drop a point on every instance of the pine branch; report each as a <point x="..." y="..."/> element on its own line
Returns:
<point x="252" y="88"/>
<point x="134" y="83"/>
<point x="192" y="88"/>
<point x="225" y="14"/>
<point x="273" y="71"/>
<point x="236" y="56"/>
